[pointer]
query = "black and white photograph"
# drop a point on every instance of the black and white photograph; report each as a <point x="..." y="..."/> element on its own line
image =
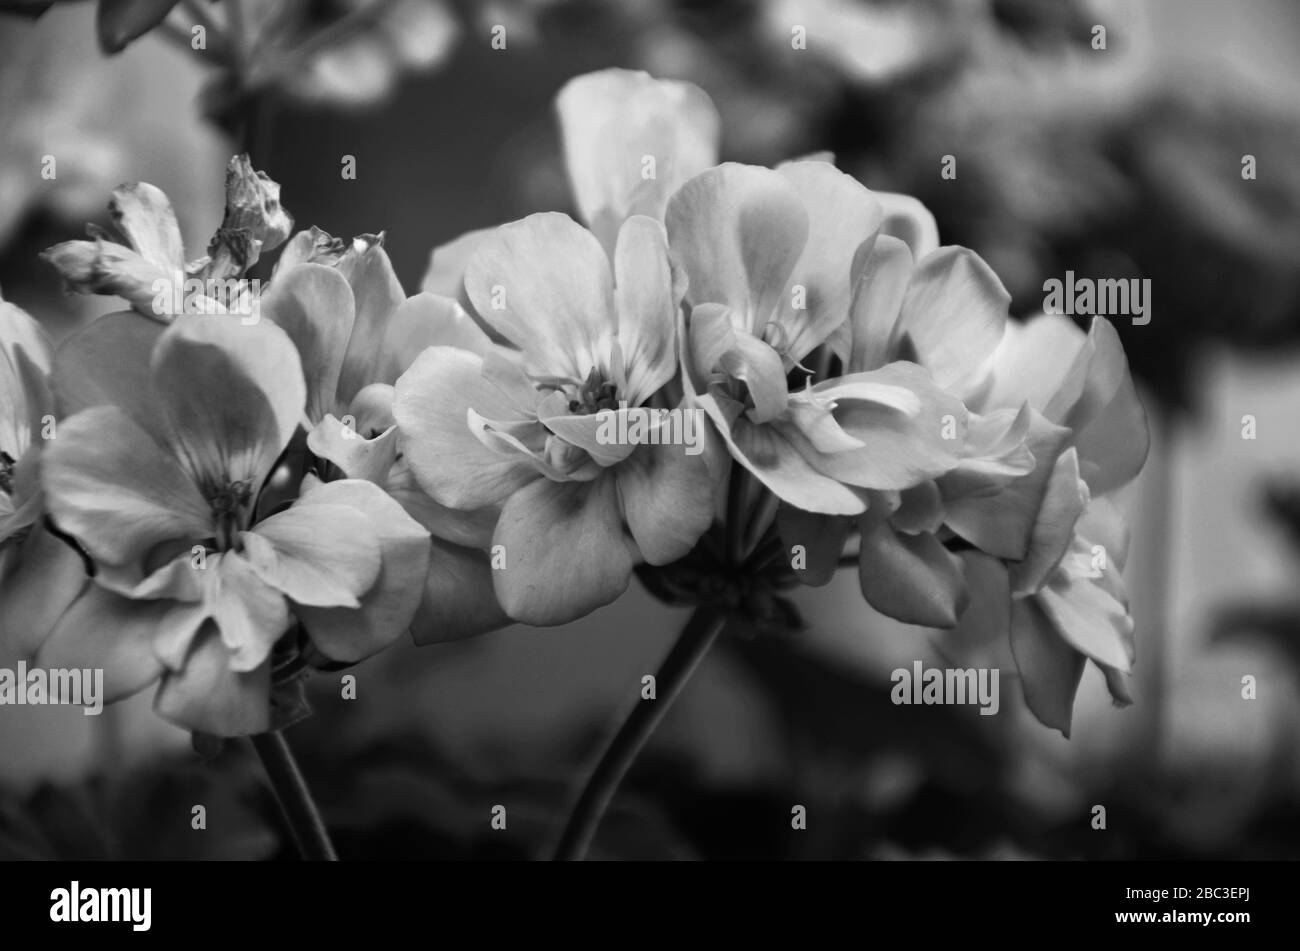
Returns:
<point x="651" y="431"/>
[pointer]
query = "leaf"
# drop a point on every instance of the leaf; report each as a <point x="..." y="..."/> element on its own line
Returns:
<point x="120" y="22"/>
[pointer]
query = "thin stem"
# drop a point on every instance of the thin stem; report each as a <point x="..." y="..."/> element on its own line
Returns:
<point x="291" y="792"/>
<point x="761" y="518"/>
<point x="697" y="637"/>
<point x="737" y="490"/>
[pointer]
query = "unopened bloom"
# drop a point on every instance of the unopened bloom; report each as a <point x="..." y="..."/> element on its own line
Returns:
<point x="158" y="474"/>
<point x="595" y="337"/>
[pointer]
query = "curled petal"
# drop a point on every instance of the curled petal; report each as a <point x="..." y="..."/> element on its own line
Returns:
<point x="104" y="267"/>
<point x="953" y="315"/>
<point x="647" y="301"/>
<point x="432" y="403"/>
<point x="1050" y="668"/>
<point x="249" y="612"/>
<point x="313" y="304"/>
<point x="909" y="429"/>
<point x="910" y="221"/>
<point x="320" y="551"/>
<point x="378" y="295"/>
<point x="842" y="214"/>
<point x="738" y="232"/>
<point x="776" y="456"/>
<point x="883" y="270"/>
<point x="717" y="346"/>
<point x="143" y="214"/>
<point x="357" y="456"/>
<point x="1108" y="419"/>
<point x="1002" y="523"/>
<point x="1064" y="498"/>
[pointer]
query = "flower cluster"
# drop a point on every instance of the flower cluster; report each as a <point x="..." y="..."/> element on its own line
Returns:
<point x="220" y="502"/>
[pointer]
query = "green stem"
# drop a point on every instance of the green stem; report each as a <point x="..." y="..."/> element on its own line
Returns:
<point x="737" y="505"/>
<point x="296" y="803"/>
<point x="697" y="637"/>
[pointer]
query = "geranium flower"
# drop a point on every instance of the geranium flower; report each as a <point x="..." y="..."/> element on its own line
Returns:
<point x="356" y="332"/>
<point x="595" y="341"/>
<point x="25" y="404"/>
<point x="39" y="574"/>
<point x="157" y="473"/>
<point x="150" y="271"/>
<point x="946" y="313"/>
<point x="1070" y="604"/>
<point x="768" y="256"/>
<point x="1056" y="422"/>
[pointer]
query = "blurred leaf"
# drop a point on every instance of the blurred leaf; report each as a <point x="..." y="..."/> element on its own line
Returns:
<point x="120" y="22"/>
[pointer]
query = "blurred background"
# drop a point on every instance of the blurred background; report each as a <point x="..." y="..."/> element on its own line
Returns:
<point x="1122" y="161"/>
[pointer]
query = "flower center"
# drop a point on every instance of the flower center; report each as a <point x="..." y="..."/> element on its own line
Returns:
<point x="7" y="464"/>
<point x="227" y="503"/>
<point x="594" y="395"/>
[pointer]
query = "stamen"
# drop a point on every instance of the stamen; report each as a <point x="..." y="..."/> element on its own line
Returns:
<point x="227" y="503"/>
<point x="595" y="394"/>
<point x="7" y="464"/>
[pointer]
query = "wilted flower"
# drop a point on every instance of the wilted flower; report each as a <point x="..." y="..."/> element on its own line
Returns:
<point x="150" y="270"/>
<point x="158" y="472"/>
<point x="596" y="341"/>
